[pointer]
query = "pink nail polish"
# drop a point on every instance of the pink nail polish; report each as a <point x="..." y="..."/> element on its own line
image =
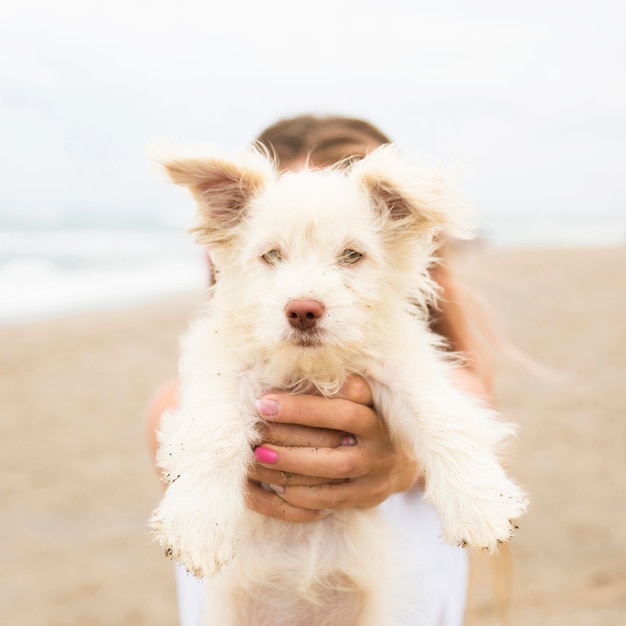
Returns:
<point x="265" y="455"/>
<point x="267" y="407"/>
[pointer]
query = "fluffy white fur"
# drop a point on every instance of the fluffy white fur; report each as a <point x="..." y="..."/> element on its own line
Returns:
<point x="331" y="572"/>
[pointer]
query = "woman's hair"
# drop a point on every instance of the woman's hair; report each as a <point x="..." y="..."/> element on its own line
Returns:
<point x="323" y="141"/>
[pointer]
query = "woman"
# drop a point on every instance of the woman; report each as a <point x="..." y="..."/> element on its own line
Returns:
<point x="322" y="454"/>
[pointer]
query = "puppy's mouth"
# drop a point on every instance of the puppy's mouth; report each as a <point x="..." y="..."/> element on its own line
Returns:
<point x="310" y="338"/>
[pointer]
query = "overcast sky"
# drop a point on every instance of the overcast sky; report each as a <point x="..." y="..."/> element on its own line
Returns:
<point x="525" y="100"/>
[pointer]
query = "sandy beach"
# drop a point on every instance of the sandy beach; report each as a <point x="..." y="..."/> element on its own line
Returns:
<point x="77" y="485"/>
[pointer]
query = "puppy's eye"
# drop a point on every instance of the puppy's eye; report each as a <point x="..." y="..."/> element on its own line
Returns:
<point x="350" y="256"/>
<point x="271" y="257"/>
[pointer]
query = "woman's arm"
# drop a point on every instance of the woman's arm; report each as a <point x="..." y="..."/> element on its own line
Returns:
<point x="165" y="398"/>
<point x="459" y="321"/>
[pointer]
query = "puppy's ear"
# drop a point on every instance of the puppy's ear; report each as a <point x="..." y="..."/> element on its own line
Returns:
<point x="411" y="200"/>
<point x="222" y="185"/>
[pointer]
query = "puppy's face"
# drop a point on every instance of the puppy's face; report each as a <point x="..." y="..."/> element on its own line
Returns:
<point x="311" y="260"/>
<point x="315" y="259"/>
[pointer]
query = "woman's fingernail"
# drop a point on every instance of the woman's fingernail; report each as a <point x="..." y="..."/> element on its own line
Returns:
<point x="265" y="455"/>
<point x="348" y="440"/>
<point x="278" y="488"/>
<point x="267" y="407"/>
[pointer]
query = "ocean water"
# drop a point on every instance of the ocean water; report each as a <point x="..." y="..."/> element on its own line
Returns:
<point x="55" y="271"/>
<point x="47" y="273"/>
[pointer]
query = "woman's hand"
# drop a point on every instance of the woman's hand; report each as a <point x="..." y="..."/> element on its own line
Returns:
<point x="321" y="454"/>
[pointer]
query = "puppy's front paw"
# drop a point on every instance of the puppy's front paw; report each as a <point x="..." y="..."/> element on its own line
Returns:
<point x="484" y="520"/>
<point x="201" y="544"/>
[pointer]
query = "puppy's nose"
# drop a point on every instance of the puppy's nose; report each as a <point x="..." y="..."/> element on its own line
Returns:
<point x="303" y="314"/>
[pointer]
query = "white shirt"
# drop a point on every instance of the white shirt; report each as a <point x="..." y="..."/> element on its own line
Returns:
<point x="434" y="584"/>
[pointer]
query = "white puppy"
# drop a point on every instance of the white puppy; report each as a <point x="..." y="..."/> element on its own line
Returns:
<point x="320" y="274"/>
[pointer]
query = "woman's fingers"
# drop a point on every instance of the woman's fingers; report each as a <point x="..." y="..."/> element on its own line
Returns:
<point x="300" y="436"/>
<point x="361" y="493"/>
<point x="342" y="463"/>
<point x="268" y="503"/>
<point x="321" y="454"/>
<point x="312" y="411"/>
<point x="262" y="474"/>
<point x="351" y="412"/>
<point x="356" y="389"/>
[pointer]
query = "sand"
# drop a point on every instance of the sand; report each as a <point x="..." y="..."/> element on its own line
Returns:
<point x="77" y="484"/>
